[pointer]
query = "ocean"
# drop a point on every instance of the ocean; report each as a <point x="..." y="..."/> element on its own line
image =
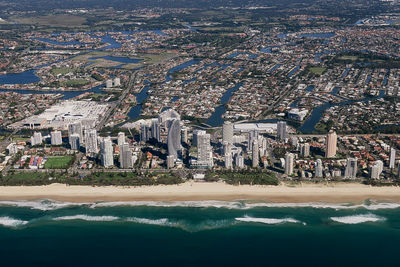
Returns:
<point x="198" y="233"/>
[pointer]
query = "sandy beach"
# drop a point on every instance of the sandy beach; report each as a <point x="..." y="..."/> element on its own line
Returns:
<point x="306" y="192"/>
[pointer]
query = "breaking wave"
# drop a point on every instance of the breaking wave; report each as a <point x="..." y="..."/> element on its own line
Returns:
<point x="84" y="217"/>
<point x="268" y="220"/>
<point x="11" y="222"/>
<point x="43" y="205"/>
<point x="48" y="205"/>
<point x="356" y="219"/>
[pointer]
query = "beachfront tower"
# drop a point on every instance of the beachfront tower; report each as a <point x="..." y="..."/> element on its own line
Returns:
<point x="125" y="158"/>
<point x="204" y="150"/>
<point x="255" y="154"/>
<point x="376" y="169"/>
<point x="281" y="131"/>
<point x="170" y="162"/>
<point x="107" y="155"/>
<point x="174" y="138"/>
<point x="351" y="168"/>
<point x="289" y="163"/>
<point x="331" y="144"/>
<point x="392" y="159"/>
<point x="227" y="132"/>
<point x="318" y="168"/>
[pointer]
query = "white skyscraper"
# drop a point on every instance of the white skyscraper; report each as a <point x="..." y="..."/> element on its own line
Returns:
<point x="174" y="138"/>
<point x="125" y="158"/>
<point x="228" y="161"/>
<point x="376" y="169"/>
<point x="36" y="139"/>
<point x="281" y="131"/>
<point x="305" y="150"/>
<point x="289" y="163"/>
<point x="56" y="138"/>
<point x="239" y="161"/>
<point x="196" y="133"/>
<point x="255" y="156"/>
<point x="121" y="139"/>
<point x="91" y="141"/>
<point x="170" y="162"/>
<point x="351" y="168"/>
<point x="76" y="128"/>
<point x="318" y="169"/>
<point x="156" y="130"/>
<point x="184" y="135"/>
<point x="74" y="141"/>
<point x="252" y="135"/>
<point x="204" y="150"/>
<point x="392" y="159"/>
<point x="227" y="132"/>
<point x="107" y="154"/>
<point x="144" y="133"/>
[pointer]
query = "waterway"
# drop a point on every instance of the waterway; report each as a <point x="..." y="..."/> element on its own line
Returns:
<point x="316" y="115"/>
<point x="125" y="60"/>
<point x="141" y="97"/>
<point x="66" y="94"/>
<point x="216" y="118"/>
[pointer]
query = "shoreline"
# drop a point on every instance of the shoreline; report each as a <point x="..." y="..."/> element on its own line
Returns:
<point x="192" y="191"/>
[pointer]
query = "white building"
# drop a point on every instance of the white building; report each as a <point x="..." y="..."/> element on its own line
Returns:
<point x="121" y="139"/>
<point x="351" y="168"/>
<point x="74" y="141"/>
<point x="376" y="169"/>
<point x="392" y="159"/>
<point x="227" y="132"/>
<point x="125" y="158"/>
<point x="91" y="141"/>
<point x="318" y="168"/>
<point x="281" y="131"/>
<point x="289" y="163"/>
<point x="56" y="138"/>
<point x="36" y="139"/>
<point x="107" y="154"/>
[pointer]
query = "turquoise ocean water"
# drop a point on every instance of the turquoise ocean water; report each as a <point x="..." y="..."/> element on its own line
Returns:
<point x="203" y="233"/>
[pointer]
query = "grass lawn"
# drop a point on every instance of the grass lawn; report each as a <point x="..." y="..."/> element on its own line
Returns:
<point x="76" y="83"/>
<point x="317" y="70"/>
<point x="61" y="162"/>
<point x="61" y="20"/>
<point x="353" y="58"/>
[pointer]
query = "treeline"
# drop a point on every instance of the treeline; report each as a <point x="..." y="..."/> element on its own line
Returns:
<point x="94" y="179"/>
<point x="250" y="177"/>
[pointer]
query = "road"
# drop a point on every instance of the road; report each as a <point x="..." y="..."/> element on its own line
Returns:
<point x="114" y="106"/>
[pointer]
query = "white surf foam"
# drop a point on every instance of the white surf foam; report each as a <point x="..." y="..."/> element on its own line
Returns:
<point x="43" y="205"/>
<point x="190" y="204"/>
<point x="343" y="206"/>
<point x="46" y="205"/>
<point x="267" y="220"/>
<point x="87" y="218"/>
<point x="356" y="219"/>
<point x="11" y="222"/>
